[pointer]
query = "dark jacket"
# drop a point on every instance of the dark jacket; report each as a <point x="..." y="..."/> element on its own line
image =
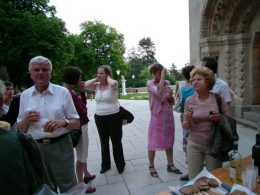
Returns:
<point x="13" y="111"/>
<point x="21" y="166"/>
<point x="222" y="135"/>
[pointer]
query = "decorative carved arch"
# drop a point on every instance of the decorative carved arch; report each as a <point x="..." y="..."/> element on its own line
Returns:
<point x="243" y="15"/>
<point x="208" y="13"/>
<point x="221" y="17"/>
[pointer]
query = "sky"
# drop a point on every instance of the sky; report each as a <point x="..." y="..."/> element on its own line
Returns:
<point x="166" y="22"/>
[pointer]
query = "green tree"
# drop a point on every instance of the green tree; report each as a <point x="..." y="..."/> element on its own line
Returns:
<point x="174" y="74"/>
<point x="144" y="77"/>
<point x="147" y="50"/>
<point x="16" y="7"/>
<point x="27" y="29"/>
<point x="139" y="59"/>
<point x="3" y="74"/>
<point x="102" y="45"/>
<point x="82" y="57"/>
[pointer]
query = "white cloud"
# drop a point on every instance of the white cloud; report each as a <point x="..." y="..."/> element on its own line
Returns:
<point x="165" y="22"/>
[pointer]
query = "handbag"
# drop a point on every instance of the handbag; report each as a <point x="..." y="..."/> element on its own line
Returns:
<point x="127" y="116"/>
<point x="75" y="135"/>
<point x="177" y="101"/>
<point x="222" y="135"/>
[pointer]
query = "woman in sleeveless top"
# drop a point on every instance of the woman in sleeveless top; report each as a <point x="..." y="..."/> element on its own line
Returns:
<point x="107" y="117"/>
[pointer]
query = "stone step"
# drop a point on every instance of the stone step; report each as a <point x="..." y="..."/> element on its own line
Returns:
<point x="247" y="123"/>
<point x="252" y="116"/>
<point x="255" y="108"/>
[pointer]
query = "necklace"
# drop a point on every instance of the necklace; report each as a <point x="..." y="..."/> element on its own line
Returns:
<point x="204" y="101"/>
<point x="101" y="94"/>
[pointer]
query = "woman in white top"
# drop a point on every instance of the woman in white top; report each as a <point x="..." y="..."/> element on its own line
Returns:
<point x="107" y="117"/>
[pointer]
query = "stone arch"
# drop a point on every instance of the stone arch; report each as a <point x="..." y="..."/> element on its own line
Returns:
<point x="221" y="17"/>
<point x="256" y="69"/>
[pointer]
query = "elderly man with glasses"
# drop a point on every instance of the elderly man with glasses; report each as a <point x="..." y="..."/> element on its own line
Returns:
<point x="47" y="113"/>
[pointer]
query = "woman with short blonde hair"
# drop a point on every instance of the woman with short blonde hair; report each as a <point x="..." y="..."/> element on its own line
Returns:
<point x="200" y="113"/>
<point x="206" y="73"/>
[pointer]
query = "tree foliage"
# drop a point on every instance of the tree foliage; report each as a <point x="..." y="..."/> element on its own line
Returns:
<point x="14" y="8"/>
<point x="27" y="29"/>
<point x="147" y="50"/>
<point x="102" y="44"/>
<point x="174" y="74"/>
<point x="3" y="74"/>
<point x="139" y="59"/>
<point x="30" y="27"/>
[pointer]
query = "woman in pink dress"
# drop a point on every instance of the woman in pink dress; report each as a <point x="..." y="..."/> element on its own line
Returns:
<point x="161" y="127"/>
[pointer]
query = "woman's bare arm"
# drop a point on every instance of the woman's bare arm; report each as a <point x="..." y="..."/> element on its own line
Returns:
<point x="91" y="84"/>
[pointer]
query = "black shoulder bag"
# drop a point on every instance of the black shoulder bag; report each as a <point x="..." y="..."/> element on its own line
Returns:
<point x="222" y="135"/>
<point x="126" y="116"/>
<point x="75" y="135"/>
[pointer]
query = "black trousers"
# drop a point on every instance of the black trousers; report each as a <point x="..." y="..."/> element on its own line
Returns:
<point x="110" y="126"/>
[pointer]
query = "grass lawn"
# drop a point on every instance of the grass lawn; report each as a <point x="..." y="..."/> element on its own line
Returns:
<point x="135" y="96"/>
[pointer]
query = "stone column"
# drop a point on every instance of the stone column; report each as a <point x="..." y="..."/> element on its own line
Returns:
<point x="123" y="85"/>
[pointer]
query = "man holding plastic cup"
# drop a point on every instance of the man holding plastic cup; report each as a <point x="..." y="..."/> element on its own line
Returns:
<point x="47" y="113"/>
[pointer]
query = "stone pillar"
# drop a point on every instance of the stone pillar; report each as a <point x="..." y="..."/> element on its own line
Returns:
<point x="123" y="85"/>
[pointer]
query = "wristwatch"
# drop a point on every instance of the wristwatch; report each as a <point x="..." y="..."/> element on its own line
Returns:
<point x="66" y="122"/>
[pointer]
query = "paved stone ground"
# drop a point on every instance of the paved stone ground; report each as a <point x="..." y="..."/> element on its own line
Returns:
<point x="136" y="179"/>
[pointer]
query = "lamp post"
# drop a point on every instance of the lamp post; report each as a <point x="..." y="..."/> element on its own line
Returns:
<point x="118" y="73"/>
<point x="133" y="77"/>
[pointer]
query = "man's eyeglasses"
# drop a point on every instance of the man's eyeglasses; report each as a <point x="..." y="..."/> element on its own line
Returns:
<point x="40" y="69"/>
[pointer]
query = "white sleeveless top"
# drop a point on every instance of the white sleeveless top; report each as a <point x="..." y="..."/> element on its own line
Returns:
<point x="106" y="101"/>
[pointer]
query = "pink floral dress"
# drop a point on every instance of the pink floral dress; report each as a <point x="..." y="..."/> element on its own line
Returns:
<point x="161" y="127"/>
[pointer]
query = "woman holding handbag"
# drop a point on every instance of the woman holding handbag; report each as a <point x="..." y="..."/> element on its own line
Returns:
<point x="107" y="117"/>
<point x="201" y="112"/>
<point x="72" y="79"/>
<point x="161" y="127"/>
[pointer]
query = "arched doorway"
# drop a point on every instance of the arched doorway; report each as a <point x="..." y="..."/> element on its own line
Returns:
<point x="256" y="69"/>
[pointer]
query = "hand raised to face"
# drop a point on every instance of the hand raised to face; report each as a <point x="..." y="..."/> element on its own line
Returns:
<point x="164" y="72"/>
<point x="81" y="85"/>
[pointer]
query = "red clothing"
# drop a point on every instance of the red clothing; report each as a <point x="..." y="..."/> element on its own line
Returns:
<point x="80" y="103"/>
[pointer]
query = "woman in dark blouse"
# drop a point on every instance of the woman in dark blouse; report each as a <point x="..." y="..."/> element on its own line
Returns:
<point x="72" y="79"/>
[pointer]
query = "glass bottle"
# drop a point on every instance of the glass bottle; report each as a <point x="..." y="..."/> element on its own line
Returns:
<point x="256" y="153"/>
<point x="235" y="164"/>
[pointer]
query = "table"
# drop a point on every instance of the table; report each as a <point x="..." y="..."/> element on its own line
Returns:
<point x="223" y="175"/>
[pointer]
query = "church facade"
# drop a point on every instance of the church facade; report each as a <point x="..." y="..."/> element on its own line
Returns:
<point x="229" y="30"/>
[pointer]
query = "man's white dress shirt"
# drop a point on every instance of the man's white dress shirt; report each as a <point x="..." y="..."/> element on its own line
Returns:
<point x="53" y="104"/>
